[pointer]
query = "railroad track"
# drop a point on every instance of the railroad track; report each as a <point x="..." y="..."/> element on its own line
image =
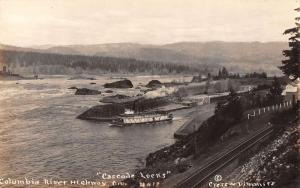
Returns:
<point x="202" y="174"/>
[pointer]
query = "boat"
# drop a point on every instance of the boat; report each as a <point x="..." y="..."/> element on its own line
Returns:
<point x="131" y="118"/>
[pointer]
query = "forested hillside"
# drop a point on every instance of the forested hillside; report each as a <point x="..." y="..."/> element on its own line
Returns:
<point x="236" y="56"/>
<point x="49" y="63"/>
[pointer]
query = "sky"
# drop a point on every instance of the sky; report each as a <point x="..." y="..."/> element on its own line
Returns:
<point x="62" y="22"/>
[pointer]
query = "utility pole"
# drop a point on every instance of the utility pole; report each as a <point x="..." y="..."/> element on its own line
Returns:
<point x="195" y="142"/>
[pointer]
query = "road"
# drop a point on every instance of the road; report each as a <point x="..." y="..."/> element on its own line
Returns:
<point x="202" y="114"/>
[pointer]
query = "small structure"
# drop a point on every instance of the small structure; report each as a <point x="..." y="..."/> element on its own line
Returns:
<point x="4" y="69"/>
<point x="292" y="91"/>
<point x="199" y="99"/>
<point x="199" y="78"/>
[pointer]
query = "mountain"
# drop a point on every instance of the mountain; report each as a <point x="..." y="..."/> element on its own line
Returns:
<point x="46" y="46"/>
<point x="26" y="62"/>
<point x="63" y="50"/>
<point x="15" y="48"/>
<point x="236" y="56"/>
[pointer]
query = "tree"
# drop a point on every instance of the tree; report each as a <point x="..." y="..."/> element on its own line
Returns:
<point x="219" y="107"/>
<point x="207" y="84"/>
<point x="225" y="72"/>
<point x="235" y="107"/>
<point x="219" y="74"/>
<point x="208" y="76"/>
<point x="232" y="93"/>
<point x="218" y="87"/>
<point x="291" y="65"/>
<point x="275" y="91"/>
<point x="231" y="109"/>
<point x="264" y="75"/>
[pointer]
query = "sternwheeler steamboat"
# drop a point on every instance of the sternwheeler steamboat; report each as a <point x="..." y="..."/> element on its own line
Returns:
<point x="132" y="118"/>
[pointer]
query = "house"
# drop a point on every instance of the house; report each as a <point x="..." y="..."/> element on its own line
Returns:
<point x="292" y="91"/>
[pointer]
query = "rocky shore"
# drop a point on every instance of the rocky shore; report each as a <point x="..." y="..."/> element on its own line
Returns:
<point x="278" y="159"/>
<point x="279" y="164"/>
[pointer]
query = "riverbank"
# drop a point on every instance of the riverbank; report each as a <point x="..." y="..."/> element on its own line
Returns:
<point x="182" y="158"/>
<point x="10" y="77"/>
<point x="277" y="160"/>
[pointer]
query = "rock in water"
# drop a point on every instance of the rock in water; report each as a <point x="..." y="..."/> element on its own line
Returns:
<point x="85" y="91"/>
<point x="108" y="91"/>
<point x="119" y="84"/>
<point x="73" y="87"/>
<point x="154" y="84"/>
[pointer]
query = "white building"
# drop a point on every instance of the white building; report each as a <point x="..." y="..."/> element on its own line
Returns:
<point x="292" y="91"/>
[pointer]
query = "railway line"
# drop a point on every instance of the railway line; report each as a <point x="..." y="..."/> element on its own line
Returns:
<point x="201" y="175"/>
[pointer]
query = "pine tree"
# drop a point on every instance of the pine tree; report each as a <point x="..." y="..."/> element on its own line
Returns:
<point x="224" y="72"/>
<point x="291" y="65"/>
<point x="232" y="94"/>
<point x="264" y="75"/>
<point x="220" y="74"/>
<point x="275" y="91"/>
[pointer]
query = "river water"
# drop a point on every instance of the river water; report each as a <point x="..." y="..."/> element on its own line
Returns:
<point x="40" y="136"/>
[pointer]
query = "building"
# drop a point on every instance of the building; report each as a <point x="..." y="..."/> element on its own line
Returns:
<point x="6" y="73"/>
<point x="292" y="91"/>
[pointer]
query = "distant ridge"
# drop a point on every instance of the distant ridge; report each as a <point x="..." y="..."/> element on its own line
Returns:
<point x="237" y="56"/>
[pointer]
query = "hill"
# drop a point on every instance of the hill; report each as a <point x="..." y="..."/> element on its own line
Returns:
<point x="236" y="56"/>
<point x="26" y="62"/>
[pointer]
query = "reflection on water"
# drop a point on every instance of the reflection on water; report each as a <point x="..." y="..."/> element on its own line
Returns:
<point x="41" y="138"/>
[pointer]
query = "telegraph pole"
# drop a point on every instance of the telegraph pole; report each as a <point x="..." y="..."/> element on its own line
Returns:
<point x="195" y="142"/>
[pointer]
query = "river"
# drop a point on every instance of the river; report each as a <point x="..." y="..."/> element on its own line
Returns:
<point x="40" y="136"/>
